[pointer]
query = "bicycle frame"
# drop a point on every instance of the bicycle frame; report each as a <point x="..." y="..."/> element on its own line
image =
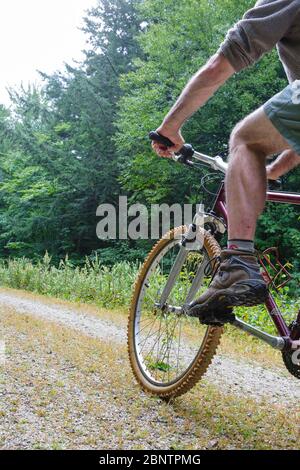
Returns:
<point x="287" y="339"/>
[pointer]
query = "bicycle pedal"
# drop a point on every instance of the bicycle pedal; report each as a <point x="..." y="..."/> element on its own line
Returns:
<point x="217" y="318"/>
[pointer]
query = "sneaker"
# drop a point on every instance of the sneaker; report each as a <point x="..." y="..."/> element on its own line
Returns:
<point x="237" y="282"/>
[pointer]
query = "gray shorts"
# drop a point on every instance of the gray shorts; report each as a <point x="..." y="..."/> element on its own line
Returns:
<point x="284" y="112"/>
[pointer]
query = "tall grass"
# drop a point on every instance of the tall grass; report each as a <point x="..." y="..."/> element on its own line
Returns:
<point x="93" y="283"/>
<point x="105" y="286"/>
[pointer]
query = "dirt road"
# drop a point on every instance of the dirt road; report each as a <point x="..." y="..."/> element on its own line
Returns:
<point x="29" y="320"/>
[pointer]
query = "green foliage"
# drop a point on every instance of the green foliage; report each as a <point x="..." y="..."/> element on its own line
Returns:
<point x="279" y="226"/>
<point x="62" y="161"/>
<point x="108" y="287"/>
<point x="93" y="282"/>
<point x="82" y="139"/>
<point x="178" y="39"/>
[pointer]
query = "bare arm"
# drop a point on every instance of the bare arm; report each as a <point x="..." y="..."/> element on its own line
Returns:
<point x="196" y="93"/>
<point x="286" y="162"/>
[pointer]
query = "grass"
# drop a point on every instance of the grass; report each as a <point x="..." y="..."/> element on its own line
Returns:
<point x="92" y="283"/>
<point x="66" y="390"/>
<point x="108" y="287"/>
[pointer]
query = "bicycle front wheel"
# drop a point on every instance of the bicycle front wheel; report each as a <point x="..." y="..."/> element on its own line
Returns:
<point x="169" y="351"/>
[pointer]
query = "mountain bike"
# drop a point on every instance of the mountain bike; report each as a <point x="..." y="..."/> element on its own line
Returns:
<point x="169" y="349"/>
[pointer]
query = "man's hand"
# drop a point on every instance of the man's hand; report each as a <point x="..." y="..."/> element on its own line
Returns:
<point x="174" y="136"/>
<point x="286" y="162"/>
<point x="271" y="174"/>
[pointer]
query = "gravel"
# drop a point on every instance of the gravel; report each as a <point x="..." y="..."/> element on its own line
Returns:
<point x="239" y="377"/>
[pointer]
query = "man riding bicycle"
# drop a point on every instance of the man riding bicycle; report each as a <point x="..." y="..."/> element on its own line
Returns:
<point x="272" y="129"/>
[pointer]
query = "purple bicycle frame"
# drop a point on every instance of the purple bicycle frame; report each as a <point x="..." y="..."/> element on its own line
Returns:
<point x="219" y="209"/>
<point x="289" y="336"/>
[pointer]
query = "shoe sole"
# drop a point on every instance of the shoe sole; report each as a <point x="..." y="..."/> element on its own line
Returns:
<point x="217" y="318"/>
<point x="256" y="294"/>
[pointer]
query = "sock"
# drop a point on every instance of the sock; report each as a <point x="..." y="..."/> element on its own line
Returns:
<point x="247" y="245"/>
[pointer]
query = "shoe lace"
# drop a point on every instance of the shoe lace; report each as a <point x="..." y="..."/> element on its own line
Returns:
<point x="212" y="266"/>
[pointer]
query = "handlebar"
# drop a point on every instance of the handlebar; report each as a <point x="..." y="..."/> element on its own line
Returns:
<point x="216" y="163"/>
<point x="187" y="152"/>
<point x="156" y="137"/>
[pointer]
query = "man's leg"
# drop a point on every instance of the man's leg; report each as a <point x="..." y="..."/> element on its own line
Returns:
<point x="238" y="280"/>
<point x="252" y="141"/>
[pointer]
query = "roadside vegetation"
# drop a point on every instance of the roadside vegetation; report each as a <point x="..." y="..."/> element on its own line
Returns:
<point x="104" y="286"/>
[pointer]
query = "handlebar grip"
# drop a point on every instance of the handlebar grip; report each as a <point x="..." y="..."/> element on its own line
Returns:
<point x="186" y="151"/>
<point x="156" y="137"/>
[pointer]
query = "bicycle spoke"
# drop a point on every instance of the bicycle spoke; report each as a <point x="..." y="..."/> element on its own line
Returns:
<point x="168" y="349"/>
<point x="178" y="349"/>
<point x="165" y="341"/>
<point x="158" y="342"/>
<point x="145" y="326"/>
<point x="153" y="346"/>
<point x="149" y="332"/>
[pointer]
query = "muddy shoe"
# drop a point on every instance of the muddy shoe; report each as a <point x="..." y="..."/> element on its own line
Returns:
<point x="237" y="282"/>
<point x="216" y="317"/>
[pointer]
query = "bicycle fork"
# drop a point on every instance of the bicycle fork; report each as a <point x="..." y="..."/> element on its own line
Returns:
<point x="192" y="240"/>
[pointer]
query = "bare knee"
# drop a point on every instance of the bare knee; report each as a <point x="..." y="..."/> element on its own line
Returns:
<point x="239" y="140"/>
<point x="257" y="133"/>
<point x="237" y="136"/>
<point x="242" y="141"/>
